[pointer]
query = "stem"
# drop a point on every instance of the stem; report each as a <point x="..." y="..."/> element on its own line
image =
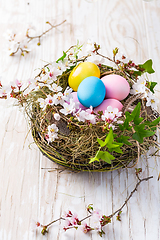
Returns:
<point x="123" y="72"/>
<point x="39" y="36"/>
<point x="61" y="218"/>
<point x="134" y="190"/>
<point x="85" y="218"/>
<point x="105" y="57"/>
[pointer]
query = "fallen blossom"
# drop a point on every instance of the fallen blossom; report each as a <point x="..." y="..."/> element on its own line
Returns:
<point x="57" y="116"/>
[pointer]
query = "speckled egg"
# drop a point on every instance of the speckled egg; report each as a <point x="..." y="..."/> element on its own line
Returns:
<point x="114" y="103"/>
<point x="117" y="86"/>
<point x="91" y="92"/>
<point x="82" y="71"/>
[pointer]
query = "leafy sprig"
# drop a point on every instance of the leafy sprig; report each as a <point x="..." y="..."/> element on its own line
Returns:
<point x="141" y="129"/>
<point x="109" y="144"/>
<point x="138" y="128"/>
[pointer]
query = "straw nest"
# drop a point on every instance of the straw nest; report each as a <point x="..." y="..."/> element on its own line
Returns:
<point x="77" y="141"/>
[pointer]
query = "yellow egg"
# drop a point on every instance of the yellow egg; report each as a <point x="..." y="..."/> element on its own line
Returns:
<point x="82" y="71"/>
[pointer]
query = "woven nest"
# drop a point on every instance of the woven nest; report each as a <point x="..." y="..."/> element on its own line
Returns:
<point x="77" y="141"/>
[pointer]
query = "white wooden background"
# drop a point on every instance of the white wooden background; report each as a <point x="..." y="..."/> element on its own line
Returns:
<point x="28" y="190"/>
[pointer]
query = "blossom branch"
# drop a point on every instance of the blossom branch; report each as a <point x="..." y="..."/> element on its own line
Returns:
<point x="15" y="46"/>
<point x="39" y="36"/>
<point x="74" y="222"/>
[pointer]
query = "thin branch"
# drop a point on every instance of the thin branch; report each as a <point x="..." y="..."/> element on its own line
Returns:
<point x="134" y="190"/>
<point x="39" y="36"/>
<point x="61" y="218"/>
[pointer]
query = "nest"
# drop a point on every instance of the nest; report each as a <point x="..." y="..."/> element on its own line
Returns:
<point x="77" y="141"/>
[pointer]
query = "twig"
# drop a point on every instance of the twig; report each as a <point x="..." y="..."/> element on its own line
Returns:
<point x="39" y="36"/>
<point x="134" y="190"/>
<point x="61" y="218"/>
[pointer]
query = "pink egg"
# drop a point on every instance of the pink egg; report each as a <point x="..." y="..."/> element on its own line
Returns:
<point x="114" y="103"/>
<point x="75" y="98"/>
<point x="117" y="87"/>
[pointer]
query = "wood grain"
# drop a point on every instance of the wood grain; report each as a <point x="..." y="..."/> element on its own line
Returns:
<point x="31" y="185"/>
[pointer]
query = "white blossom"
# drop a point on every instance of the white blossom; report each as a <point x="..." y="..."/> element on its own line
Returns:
<point x="52" y="129"/>
<point x="24" y="45"/>
<point x="12" y="47"/>
<point x="96" y="217"/>
<point x="139" y="87"/>
<point x="45" y="81"/>
<point x="89" y="46"/>
<point x="5" y="91"/>
<point x="69" y="107"/>
<point x="67" y="94"/>
<point x="57" y="116"/>
<point x="52" y="132"/>
<point x="61" y="67"/>
<point x="52" y="137"/>
<point x="152" y="101"/>
<point x="54" y="72"/>
<point x="55" y="88"/>
<point x="80" y="115"/>
<point x="33" y="84"/>
<point x="111" y="115"/>
<point x="50" y="100"/>
<point x="42" y="103"/>
<point x="90" y="117"/>
<point x="59" y="98"/>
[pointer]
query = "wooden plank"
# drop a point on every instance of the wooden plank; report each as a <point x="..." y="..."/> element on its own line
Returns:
<point x="31" y="187"/>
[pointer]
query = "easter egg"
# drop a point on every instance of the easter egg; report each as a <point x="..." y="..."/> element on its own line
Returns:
<point x="91" y="92"/>
<point x="114" y="103"/>
<point x="117" y="87"/>
<point x="82" y="71"/>
<point x="75" y="98"/>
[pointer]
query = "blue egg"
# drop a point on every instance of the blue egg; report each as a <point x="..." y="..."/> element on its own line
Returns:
<point x="91" y="92"/>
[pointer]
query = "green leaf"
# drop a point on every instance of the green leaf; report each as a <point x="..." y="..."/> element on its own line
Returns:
<point x="105" y="156"/>
<point x="115" y="146"/>
<point x="124" y="139"/>
<point x="94" y="159"/>
<point x="153" y="123"/>
<point x="135" y="114"/>
<point x="112" y="145"/>
<point x="109" y="137"/>
<point x="153" y="84"/>
<point x="117" y="150"/>
<point x="141" y="133"/>
<point x="153" y="128"/>
<point x="101" y="143"/>
<point x="147" y="66"/>
<point x="61" y="58"/>
<point x="121" y="127"/>
<point x="137" y="73"/>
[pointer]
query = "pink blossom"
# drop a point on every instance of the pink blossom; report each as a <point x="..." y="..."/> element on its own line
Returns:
<point x="68" y="214"/>
<point x="34" y="224"/>
<point x="75" y="220"/>
<point x="80" y="115"/>
<point x="85" y="228"/>
<point x="50" y="100"/>
<point x="18" y="83"/>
